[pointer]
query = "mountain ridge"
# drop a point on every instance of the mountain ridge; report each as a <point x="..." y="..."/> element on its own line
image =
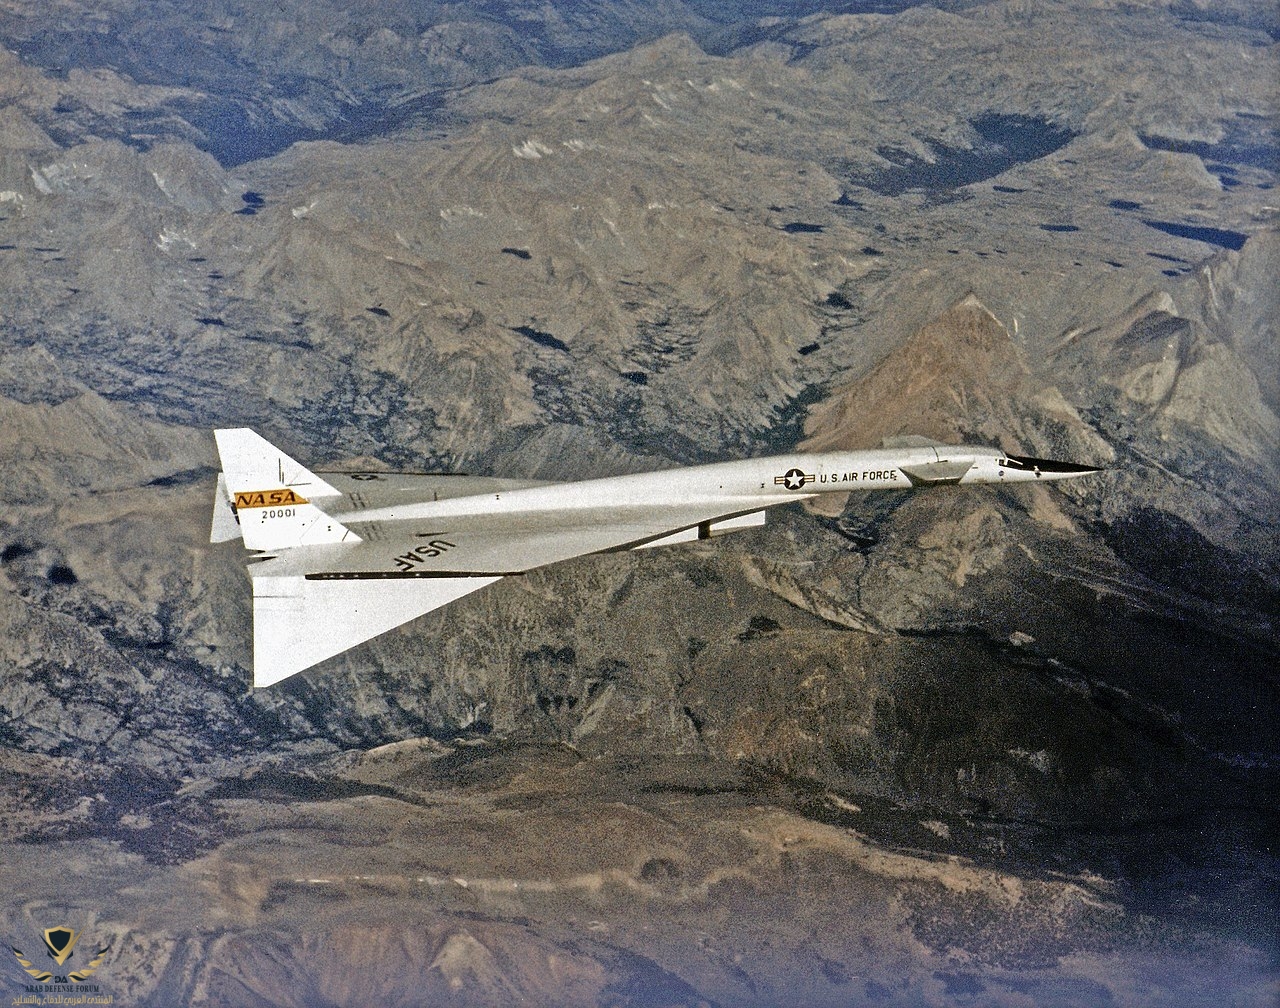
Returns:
<point x="1031" y="730"/>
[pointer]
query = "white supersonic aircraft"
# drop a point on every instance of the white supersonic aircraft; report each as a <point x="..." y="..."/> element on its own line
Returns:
<point x="345" y="556"/>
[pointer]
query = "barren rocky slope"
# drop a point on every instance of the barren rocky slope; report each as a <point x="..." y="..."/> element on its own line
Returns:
<point x="1011" y="746"/>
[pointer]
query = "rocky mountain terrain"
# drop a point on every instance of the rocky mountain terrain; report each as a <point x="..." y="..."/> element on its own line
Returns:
<point x="937" y="748"/>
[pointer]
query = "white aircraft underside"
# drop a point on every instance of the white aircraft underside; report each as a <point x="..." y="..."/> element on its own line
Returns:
<point x="343" y="557"/>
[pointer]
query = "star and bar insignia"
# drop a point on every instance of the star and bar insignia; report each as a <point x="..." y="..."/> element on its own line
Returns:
<point x="794" y="479"/>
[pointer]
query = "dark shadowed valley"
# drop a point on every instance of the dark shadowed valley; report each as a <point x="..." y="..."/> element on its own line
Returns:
<point x="955" y="747"/>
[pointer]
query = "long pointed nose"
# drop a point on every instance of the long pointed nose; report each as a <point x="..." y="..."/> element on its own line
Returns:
<point x="1047" y="468"/>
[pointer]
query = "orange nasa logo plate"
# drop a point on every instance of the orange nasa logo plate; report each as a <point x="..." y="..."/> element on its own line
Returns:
<point x="267" y="498"/>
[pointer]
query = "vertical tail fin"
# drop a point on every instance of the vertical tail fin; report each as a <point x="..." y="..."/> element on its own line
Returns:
<point x="225" y="525"/>
<point x="272" y="495"/>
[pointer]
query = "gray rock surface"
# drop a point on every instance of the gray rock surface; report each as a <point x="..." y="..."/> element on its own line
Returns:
<point x="919" y="748"/>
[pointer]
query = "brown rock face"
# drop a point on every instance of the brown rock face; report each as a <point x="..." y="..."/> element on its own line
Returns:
<point x="926" y="748"/>
<point x="957" y="376"/>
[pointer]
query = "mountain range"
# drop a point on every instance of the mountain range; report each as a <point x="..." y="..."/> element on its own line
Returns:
<point x="951" y="747"/>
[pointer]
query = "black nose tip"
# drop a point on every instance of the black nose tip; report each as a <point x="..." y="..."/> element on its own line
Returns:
<point x="1046" y="465"/>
